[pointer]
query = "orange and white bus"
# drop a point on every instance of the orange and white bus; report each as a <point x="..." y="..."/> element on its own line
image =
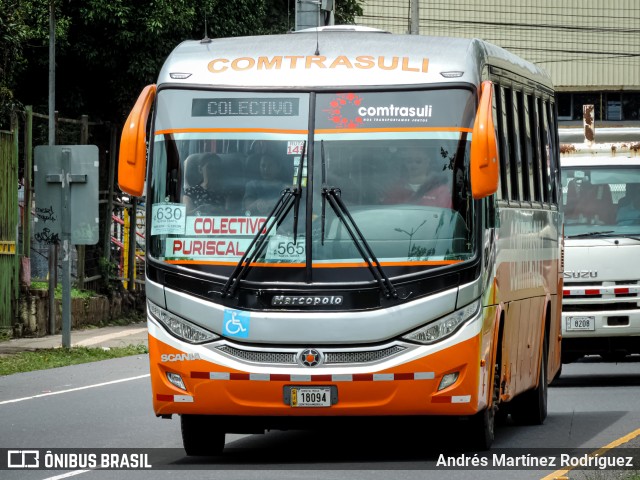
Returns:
<point x="289" y="285"/>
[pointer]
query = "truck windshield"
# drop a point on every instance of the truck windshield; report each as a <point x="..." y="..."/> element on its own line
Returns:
<point x="225" y="162"/>
<point x="601" y="201"/>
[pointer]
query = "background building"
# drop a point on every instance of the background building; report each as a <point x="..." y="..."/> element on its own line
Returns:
<point x="591" y="48"/>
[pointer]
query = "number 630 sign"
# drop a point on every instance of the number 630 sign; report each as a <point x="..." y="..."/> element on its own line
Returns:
<point x="168" y="218"/>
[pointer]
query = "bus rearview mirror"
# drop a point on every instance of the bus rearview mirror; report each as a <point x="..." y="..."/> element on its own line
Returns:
<point x="132" y="161"/>
<point x="484" y="148"/>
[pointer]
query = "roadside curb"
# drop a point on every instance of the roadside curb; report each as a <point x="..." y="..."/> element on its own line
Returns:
<point x="105" y="337"/>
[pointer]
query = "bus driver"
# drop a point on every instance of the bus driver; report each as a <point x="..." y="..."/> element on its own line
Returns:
<point x="423" y="182"/>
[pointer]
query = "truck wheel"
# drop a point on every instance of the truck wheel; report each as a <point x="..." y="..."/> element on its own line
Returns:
<point x="614" y="357"/>
<point x="201" y="437"/>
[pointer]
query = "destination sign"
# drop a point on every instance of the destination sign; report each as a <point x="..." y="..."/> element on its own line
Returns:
<point x="245" y="107"/>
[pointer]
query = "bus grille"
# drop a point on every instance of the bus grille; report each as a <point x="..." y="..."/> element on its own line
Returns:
<point x="253" y="356"/>
<point x="330" y="357"/>
<point x="361" y="357"/>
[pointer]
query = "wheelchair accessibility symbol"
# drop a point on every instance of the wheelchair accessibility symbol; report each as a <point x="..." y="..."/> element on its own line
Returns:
<point x="236" y="324"/>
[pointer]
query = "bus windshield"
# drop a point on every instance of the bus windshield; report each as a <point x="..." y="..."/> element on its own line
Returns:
<point x="385" y="169"/>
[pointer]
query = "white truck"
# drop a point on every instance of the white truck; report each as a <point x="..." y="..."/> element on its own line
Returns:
<point x="601" y="294"/>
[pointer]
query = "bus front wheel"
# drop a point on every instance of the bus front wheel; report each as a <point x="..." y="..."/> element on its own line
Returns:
<point x="483" y="423"/>
<point x="201" y="436"/>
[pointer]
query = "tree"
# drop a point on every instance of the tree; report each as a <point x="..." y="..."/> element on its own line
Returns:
<point x="347" y="11"/>
<point x="12" y="61"/>
<point x="107" y="50"/>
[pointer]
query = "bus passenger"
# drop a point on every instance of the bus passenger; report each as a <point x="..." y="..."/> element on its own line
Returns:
<point x="261" y="195"/>
<point x="423" y="183"/>
<point x="203" y="196"/>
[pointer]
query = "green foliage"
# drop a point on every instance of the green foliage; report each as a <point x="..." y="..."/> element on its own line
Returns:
<point x="62" y="357"/>
<point x="12" y="61"/>
<point x="347" y="11"/>
<point x="108" y="50"/>
<point x="75" y="292"/>
<point x="109" y="272"/>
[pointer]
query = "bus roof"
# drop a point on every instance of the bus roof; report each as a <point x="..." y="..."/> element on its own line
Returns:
<point x="337" y="57"/>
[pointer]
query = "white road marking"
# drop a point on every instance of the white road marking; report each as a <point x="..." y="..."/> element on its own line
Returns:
<point x="67" y="475"/>
<point x="74" y="389"/>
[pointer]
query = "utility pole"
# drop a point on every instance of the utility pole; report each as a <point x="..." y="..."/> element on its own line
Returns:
<point x="52" y="72"/>
<point x="314" y="13"/>
<point x="415" y="17"/>
<point x="53" y="248"/>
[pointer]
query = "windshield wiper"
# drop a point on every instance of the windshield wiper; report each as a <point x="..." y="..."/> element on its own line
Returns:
<point x="591" y="234"/>
<point x="277" y="215"/>
<point x="324" y="198"/>
<point x="632" y="237"/>
<point x="298" y="194"/>
<point x="332" y="195"/>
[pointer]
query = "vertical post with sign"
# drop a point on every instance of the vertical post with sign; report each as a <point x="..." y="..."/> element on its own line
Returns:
<point x="66" y="187"/>
<point x="589" y="123"/>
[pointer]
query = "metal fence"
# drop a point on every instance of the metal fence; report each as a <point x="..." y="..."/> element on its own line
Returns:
<point x="116" y="261"/>
<point x="9" y="263"/>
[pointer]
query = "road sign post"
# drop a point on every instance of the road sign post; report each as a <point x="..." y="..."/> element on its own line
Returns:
<point x="66" y="187"/>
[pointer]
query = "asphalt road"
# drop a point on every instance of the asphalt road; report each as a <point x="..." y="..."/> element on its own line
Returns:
<point x="107" y="404"/>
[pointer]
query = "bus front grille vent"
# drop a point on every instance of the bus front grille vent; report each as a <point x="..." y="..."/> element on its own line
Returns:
<point x="330" y="357"/>
<point x="367" y="356"/>
<point x="259" y="356"/>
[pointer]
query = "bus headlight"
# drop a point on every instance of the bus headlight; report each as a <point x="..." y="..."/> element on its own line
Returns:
<point x="445" y="326"/>
<point x="180" y="327"/>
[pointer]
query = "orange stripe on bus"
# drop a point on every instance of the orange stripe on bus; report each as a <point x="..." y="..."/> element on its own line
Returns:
<point x="229" y="130"/>
<point x="233" y="264"/>
<point x="398" y="129"/>
<point x="317" y="265"/>
<point x="387" y="264"/>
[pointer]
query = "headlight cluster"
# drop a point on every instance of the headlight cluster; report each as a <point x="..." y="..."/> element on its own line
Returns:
<point x="180" y="327"/>
<point x="443" y="327"/>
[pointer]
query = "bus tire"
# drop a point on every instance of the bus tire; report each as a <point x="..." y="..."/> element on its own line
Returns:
<point x="482" y="429"/>
<point x="201" y="437"/>
<point x="530" y="408"/>
<point x="483" y="424"/>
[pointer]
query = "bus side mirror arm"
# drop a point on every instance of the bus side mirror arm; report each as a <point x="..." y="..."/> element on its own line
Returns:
<point x="484" y="147"/>
<point x="132" y="162"/>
